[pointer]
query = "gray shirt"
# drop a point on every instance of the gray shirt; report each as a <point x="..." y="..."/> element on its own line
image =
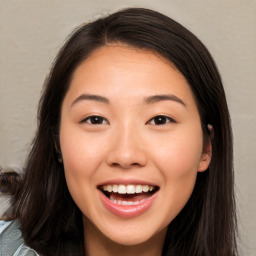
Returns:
<point x="12" y="242"/>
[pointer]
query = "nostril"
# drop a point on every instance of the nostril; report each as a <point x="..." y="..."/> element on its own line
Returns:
<point x="123" y="165"/>
<point x="124" y="158"/>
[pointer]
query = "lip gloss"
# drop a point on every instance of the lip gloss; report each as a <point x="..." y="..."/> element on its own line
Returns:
<point x="127" y="211"/>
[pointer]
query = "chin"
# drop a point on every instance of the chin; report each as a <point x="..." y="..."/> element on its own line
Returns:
<point x="130" y="239"/>
<point x="132" y="236"/>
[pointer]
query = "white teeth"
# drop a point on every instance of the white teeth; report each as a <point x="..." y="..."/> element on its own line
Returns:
<point x="128" y="189"/>
<point x="145" y="188"/>
<point x="119" y="202"/>
<point x="121" y="189"/>
<point x="109" y="188"/>
<point x="115" y="188"/>
<point x="138" y="188"/>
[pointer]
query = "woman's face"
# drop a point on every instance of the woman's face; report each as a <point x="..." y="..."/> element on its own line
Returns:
<point x="132" y="143"/>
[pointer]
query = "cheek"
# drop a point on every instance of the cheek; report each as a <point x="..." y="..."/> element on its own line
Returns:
<point x="80" y="160"/>
<point x="81" y="157"/>
<point x="178" y="159"/>
<point x="180" y="153"/>
<point x="80" y="151"/>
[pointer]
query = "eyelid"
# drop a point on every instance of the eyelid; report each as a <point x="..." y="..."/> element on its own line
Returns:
<point x="85" y="120"/>
<point x="168" y="118"/>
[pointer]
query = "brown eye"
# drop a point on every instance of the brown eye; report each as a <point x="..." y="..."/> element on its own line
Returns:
<point x="161" y="120"/>
<point x="95" y="120"/>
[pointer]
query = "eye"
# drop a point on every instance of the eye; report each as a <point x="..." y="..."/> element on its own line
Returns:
<point x="95" y="120"/>
<point x="161" y="120"/>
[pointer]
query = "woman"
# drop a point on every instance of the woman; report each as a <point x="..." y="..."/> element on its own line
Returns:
<point x="133" y="152"/>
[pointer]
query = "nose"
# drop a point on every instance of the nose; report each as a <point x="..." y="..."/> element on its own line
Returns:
<point x="127" y="150"/>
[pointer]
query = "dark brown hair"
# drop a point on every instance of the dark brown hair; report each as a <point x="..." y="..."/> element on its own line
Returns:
<point x="50" y="221"/>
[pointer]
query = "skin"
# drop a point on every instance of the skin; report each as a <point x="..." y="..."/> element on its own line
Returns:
<point x="128" y="144"/>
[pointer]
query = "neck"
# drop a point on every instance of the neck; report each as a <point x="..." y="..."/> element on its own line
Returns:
<point x="97" y="244"/>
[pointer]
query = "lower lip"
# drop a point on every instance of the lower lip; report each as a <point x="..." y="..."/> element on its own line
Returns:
<point x="127" y="211"/>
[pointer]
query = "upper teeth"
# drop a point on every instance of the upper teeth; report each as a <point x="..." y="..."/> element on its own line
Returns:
<point x="127" y="189"/>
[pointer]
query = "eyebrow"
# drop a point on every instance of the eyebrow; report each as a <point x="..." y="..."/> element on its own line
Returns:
<point x="148" y="100"/>
<point x="162" y="97"/>
<point x="90" y="97"/>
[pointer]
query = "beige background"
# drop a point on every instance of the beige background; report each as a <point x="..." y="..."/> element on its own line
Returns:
<point x="32" y="31"/>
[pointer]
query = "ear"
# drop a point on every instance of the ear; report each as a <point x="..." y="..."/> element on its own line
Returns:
<point x="57" y="148"/>
<point x="206" y="155"/>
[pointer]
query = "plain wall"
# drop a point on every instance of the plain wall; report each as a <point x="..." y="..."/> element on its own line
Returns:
<point x="31" y="32"/>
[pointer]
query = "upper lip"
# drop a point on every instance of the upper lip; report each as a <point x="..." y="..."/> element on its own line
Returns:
<point x="127" y="182"/>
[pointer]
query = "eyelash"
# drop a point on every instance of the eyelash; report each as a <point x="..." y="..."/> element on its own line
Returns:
<point x="99" y="120"/>
<point x="165" y="119"/>
<point x="91" y="120"/>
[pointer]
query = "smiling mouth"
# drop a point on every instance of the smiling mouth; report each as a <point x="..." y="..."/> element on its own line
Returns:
<point x="128" y="194"/>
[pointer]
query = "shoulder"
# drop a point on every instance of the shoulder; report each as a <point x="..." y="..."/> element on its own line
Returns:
<point x="11" y="240"/>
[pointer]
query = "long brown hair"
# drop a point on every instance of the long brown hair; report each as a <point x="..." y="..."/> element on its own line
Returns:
<point x="50" y="221"/>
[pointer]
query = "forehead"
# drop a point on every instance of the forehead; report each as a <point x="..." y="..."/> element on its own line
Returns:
<point x="124" y="71"/>
<point x="125" y="56"/>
